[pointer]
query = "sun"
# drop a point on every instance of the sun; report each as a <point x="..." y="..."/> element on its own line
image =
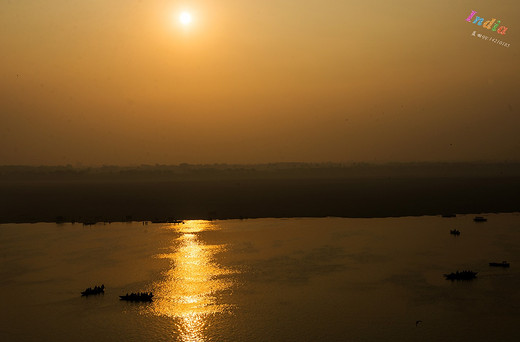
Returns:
<point x="185" y="18"/>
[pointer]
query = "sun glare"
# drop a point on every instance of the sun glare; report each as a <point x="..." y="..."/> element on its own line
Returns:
<point x="185" y="18"/>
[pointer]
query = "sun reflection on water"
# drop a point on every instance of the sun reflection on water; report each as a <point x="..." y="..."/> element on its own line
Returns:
<point x="192" y="285"/>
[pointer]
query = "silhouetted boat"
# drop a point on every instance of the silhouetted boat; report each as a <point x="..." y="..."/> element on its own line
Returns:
<point x="499" y="264"/>
<point x="479" y="219"/>
<point x="137" y="297"/>
<point x="462" y="275"/>
<point x="94" y="291"/>
<point x="454" y="232"/>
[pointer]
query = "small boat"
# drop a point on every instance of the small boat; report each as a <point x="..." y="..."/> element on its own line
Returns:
<point x="93" y="291"/>
<point x="462" y="275"/>
<point x="137" y="297"/>
<point x="479" y="219"/>
<point x="455" y="232"/>
<point x="499" y="264"/>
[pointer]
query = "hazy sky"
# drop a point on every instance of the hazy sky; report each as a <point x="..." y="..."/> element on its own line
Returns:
<point x="123" y="82"/>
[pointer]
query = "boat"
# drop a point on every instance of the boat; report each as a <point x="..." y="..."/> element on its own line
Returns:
<point x="462" y="275"/>
<point x="499" y="264"/>
<point x="455" y="232"/>
<point x="93" y="291"/>
<point x="137" y="297"/>
<point x="479" y="219"/>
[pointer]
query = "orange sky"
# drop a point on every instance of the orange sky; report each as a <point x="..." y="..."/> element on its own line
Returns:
<point x="122" y="82"/>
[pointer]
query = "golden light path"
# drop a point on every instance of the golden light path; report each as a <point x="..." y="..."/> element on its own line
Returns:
<point x="192" y="283"/>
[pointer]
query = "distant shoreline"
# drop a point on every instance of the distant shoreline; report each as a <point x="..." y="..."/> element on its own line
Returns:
<point x="147" y="200"/>
<point x="187" y="172"/>
<point x="92" y="223"/>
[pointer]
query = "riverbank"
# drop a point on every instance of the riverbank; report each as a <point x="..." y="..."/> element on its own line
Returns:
<point x="148" y="200"/>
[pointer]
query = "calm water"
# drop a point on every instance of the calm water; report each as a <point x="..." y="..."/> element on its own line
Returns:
<point x="308" y="279"/>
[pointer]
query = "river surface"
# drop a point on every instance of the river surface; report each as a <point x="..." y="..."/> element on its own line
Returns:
<point x="297" y="279"/>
